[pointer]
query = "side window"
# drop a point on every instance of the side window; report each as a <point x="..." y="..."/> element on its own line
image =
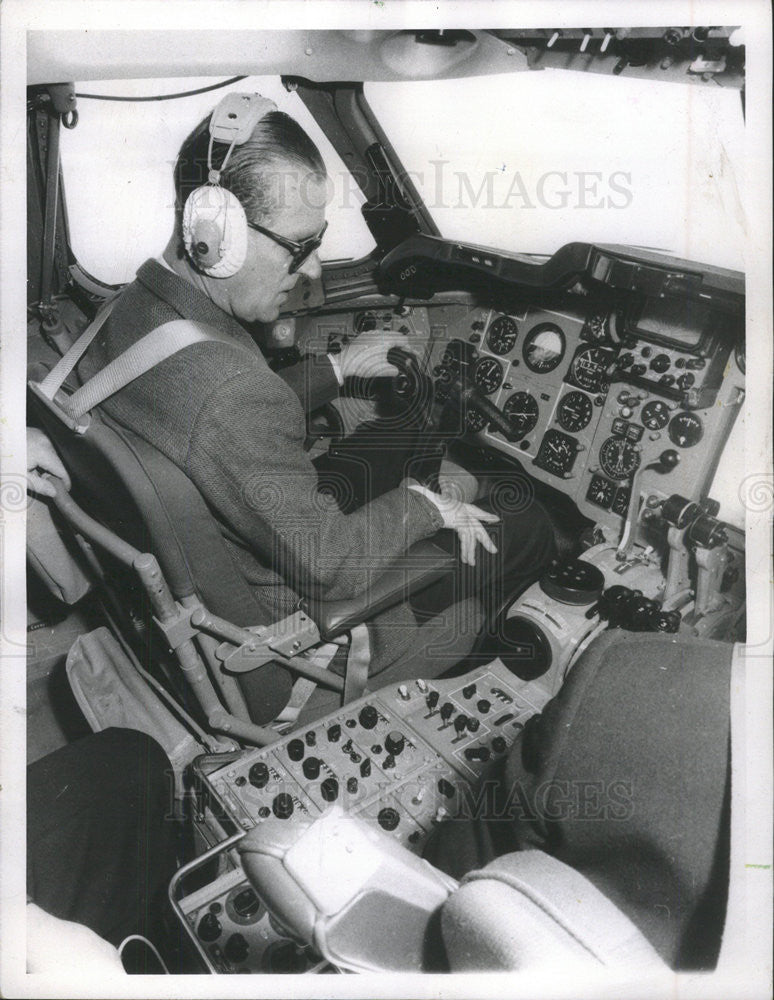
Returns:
<point x="117" y="167"/>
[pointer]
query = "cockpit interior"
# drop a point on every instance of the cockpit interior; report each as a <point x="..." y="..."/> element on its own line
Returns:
<point x="573" y="318"/>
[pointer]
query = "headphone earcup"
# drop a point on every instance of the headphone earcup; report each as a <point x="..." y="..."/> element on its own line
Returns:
<point x="215" y="231"/>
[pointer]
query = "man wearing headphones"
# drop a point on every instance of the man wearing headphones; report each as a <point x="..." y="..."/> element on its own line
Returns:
<point x="250" y="218"/>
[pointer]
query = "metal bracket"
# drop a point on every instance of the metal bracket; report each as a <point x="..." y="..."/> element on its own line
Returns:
<point x="62" y="97"/>
<point x="179" y="629"/>
<point x="287" y="638"/>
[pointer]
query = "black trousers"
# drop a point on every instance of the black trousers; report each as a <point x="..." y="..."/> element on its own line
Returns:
<point x="525" y="545"/>
<point x="101" y="833"/>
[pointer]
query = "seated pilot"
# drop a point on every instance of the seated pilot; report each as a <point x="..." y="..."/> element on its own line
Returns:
<point x="237" y="428"/>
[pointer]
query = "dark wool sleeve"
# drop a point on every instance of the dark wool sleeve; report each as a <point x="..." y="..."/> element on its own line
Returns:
<point x="246" y="455"/>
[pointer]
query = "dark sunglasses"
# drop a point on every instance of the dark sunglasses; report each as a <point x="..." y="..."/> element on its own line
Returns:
<point x="298" y="251"/>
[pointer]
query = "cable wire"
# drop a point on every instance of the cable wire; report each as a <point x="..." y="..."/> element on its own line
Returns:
<point x="139" y="937"/>
<point x="164" y="97"/>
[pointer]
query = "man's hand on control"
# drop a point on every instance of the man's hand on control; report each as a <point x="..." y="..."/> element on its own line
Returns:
<point x="466" y="519"/>
<point x="41" y="458"/>
<point x="366" y="355"/>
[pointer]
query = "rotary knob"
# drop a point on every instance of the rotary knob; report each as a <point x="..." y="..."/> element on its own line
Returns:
<point x="660" y="363"/>
<point x="236" y="949"/>
<point x="258" y="775"/>
<point x="209" y="927"/>
<point x="311" y="768"/>
<point x="282" y="806"/>
<point x="388" y="818"/>
<point x="368" y="717"/>
<point x="296" y="749"/>
<point x="394" y="742"/>
<point x="329" y="789"/>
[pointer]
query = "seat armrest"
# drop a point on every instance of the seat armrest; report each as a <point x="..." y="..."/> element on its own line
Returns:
<point x="364" y="901"/>
<point x="527" y="909"/>
<point x="423" y="564"/>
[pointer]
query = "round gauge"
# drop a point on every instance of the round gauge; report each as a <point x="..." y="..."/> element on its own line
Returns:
<point x="574" y="412"/>
<point x="501" y="337"/>
<point x="474" y="419"/>
<point x="685" y="430"/>
<point x="618" y="458"/>
<point x="601" y="492"/>
<point x="589" y="368"/>
<point x="655" y="415"/>
<point x="365" y="321"/>
<point x="522" y="410"/>
<point x="596" y="326"/>
<point x="488" y="375"/>
<point x="543" y="348"/>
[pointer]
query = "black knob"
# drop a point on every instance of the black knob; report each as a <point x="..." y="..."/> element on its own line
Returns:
<point x="388" y="762"/>
<point x="445" y="788"/>
<point x="625" y="360"/>
<point x="258" y="775"/>
<point x="639" y="369"/>
<point x="352" y="785"/>
<point x="388" y="818"/>
<point x="499" y="744"/>
<point x="334" y="733"/>
<point x="365" y="768"/>
<point x="296" y="749"/>
<point x="282" y="806"/>
<point x="667" y="380"/>
<point x="368" y="717"/>
<point x="660" y="363"/>
<point x="311" y="768"/>
<point x="264" y="812"/>
<point x="469" y="691"/>
<point x="460" y="723"/>
<point x="473" y="725"/>
<point x="310" y="738"/>
<point x="447" y="710"/>
<point x="646" y="352"/>
<point x="478" y="753"/>
<point x="687" y="380"/>
<point x="432" y="699"/>
<point x="668" y="459"/>
<point x="329" y="789"/>
<point x="395" y="742"/>
<point x="695" y="364"/>
<point x="483" y="706"/>
<point x="209" y="927"/>
<point x="236" y="949"/>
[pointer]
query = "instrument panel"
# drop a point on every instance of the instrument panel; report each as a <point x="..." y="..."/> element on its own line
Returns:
<point x="590" y="400"/>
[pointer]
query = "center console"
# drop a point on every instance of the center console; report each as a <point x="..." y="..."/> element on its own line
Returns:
<point x="404" y="759"/>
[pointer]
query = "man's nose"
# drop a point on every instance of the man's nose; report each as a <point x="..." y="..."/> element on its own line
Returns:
<point x="311" y="267"/>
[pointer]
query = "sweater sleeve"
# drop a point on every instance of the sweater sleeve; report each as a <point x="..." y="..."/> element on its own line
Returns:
<point x="247" y="458"/>
<point x="313" y="380"/>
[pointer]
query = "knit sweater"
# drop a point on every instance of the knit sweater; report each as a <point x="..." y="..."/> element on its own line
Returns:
<point x="237" y="430"/>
